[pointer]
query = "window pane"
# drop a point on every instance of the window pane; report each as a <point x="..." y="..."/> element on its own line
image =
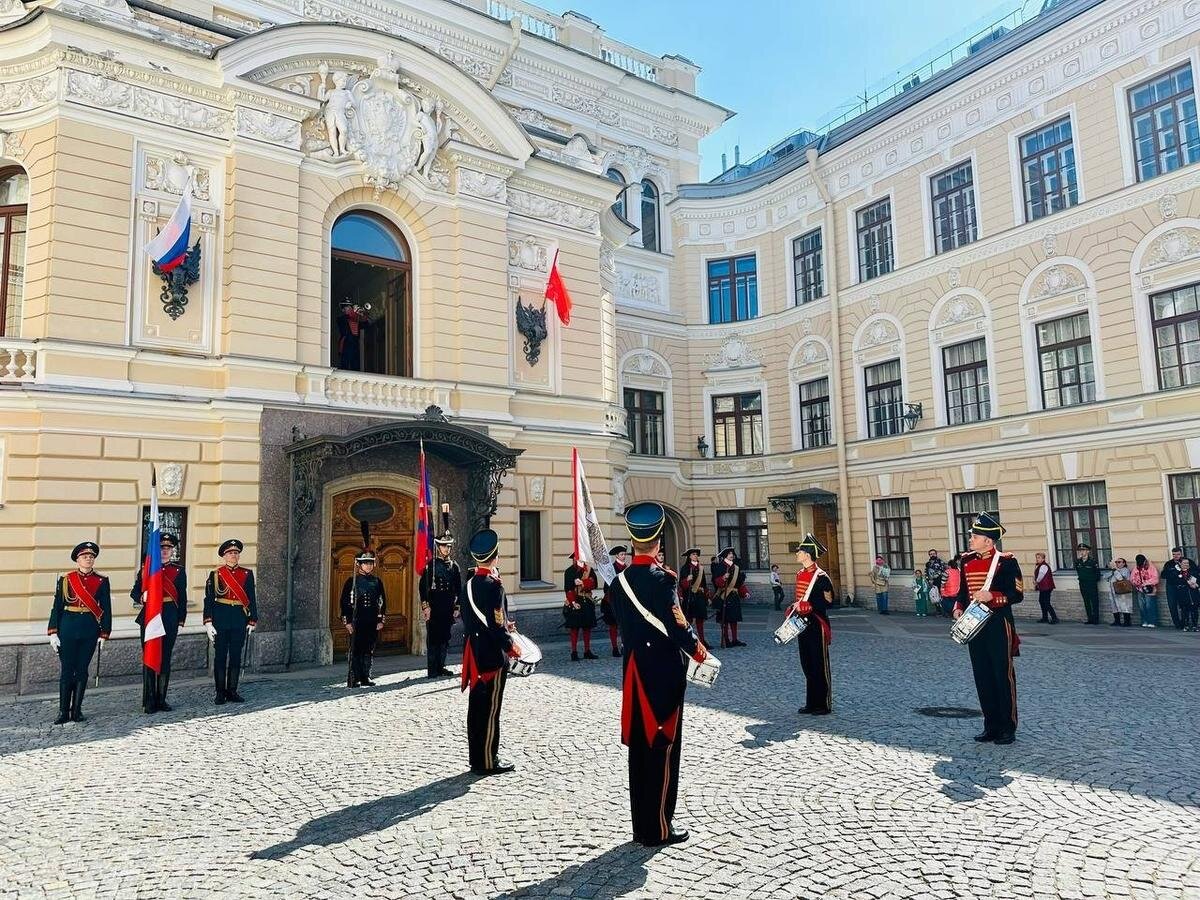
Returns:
<point x="365" y="234"/>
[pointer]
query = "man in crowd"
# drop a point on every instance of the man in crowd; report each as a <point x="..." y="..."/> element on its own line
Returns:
<point x="1089" y="574"/>
<point x="1177" y="588"/>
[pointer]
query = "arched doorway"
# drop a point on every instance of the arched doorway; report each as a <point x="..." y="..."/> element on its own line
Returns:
<point x="675" y="537"/>
<point x="370" y="296"/>
<point x="384" y="518"/>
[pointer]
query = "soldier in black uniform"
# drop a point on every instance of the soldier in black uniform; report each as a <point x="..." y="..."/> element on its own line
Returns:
<point x="80" y="620"/>
<point x="993" y="648"/>
<point x="813" y="597"/>
<point x="363" y="611"/>
<point x="230" y="613"/>
<point x="174" y="613"/>
<point x="729" y="590"/>
<point x="440" y="585"/>
<point x="620" y="563"/>
<point x="487" y="645"/>
<point x="653" y="631"/>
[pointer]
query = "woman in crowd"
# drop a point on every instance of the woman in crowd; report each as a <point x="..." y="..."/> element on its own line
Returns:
<point x="1043" y="581"/>
<point x="1189" y="610"/>
<point x="951" y="585"/>
<point x="1120" y="591"/>
<point x="1145" y="581"/>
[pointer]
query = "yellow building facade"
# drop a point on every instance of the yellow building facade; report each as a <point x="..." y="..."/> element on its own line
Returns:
<point x="978" y="291"/>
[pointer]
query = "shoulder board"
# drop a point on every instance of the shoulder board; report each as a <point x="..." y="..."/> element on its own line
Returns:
<point x="1004" y="555"/>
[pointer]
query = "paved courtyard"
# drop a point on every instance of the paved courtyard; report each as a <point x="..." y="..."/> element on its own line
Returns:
<point x="308" y="790"/>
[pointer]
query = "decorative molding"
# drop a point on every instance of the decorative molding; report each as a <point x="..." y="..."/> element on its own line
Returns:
<point x="170" y="175"/>
<point x="960" y="308"/>
<point x="618" y="492"/>
<point x="1057" y="280"/>
<point x="1173" y="246"/>
<point x="18" y="96"/>
<point x="735" y="353"/>
<point x="482" y="185"/>
<point x="170" y="484"/>
<point x="268" y="126"/>
<point x="568" y="215"/>
<point x="526" y="253"/>
<point x="645" y="364"/>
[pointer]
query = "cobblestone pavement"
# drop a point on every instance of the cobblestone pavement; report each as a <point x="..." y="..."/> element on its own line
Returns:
<point x="309" y="790"/>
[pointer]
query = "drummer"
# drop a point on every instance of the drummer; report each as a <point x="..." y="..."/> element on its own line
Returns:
<point x="814" y="596"/>
<point x="579" y="605"/>
<point x="693" y="592"/>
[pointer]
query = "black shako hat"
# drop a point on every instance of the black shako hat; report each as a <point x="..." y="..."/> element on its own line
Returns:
<point x="988" y="525"/>
<point x="167" y="538"/>
<point x="91" y="546"/>
<point x="645" y="520"/>
<point x="231" y="544"/>
<point x="366" y="556"/>
<point x="484" y="545"/>
<point x="812" y="546"/>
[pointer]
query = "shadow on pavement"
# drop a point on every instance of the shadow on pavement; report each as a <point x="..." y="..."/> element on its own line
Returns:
<point x="370" y="817"/>
<point x="612" y="874"/>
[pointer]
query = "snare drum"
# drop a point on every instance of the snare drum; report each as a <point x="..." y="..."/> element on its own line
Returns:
<point x="970" y="623"/>
<point x="528" y="661"/>
<point x="791" y="628"/>
<point x="705" y="673"/>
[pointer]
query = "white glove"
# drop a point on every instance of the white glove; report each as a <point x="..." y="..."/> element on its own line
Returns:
<point x="55" y="642"/>
<point x="250" y="628"/>
<point x="100" y="641"/>
<point x="212" y="631"/>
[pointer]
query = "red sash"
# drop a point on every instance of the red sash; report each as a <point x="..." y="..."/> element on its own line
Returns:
<point x="235" y="588"/>
<point x="168" y="582"/>
<point x="83" y="595"/>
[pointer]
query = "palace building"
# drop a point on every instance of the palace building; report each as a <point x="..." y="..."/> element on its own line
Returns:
<point x="976" y="291"/>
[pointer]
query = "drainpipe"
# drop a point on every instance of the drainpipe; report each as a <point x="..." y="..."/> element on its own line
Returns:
<point x="844" y="532"/>
<point x="291" y="558"/>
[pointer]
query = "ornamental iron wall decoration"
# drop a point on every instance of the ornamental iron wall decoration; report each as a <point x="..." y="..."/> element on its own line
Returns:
<point x="531" y="323"/>
<point x="174" y="293"/>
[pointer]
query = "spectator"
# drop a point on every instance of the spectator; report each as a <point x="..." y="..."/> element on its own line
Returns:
<point x="776" y="586"/>
<point x="1043" y="580"/>
<point x="1172" y="576"/>
<point x="880" y="573"/>
<point x="1145" y="581"/>
<point x="921" y="589"/>
<point x="1089" y="574"/>
<point x="1189" y="609"/>
<point x="935" y="572"/>
<point x="1120" y="591"/>
<point x="951" y="585"/>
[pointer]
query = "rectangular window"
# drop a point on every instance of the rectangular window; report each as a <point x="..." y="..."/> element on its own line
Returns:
<point x="531" y="545"/>
<point x="1048" y="169"/>
<point x="1065" y="358"/>
<point x="966" y="507"/>
<point x="875" y="240"/>
<point x="815" y="429"/>
<point x="644" y="421"/>
<point x="953" y="208"/>
<point x="965" y="368"/>
<point x="893" y="533"/>
<point x="737" y="425"/>
<point x="1162" y="116"/>
<point x="1185" y="512"/>
<point x="745" y="530"/>
<point x="172" y="520"/>
<point x="732" y="289"/>
<point x="1080" y="514"/>
<point x="806" y="267"/>
<point x="885" y="399"/>
<point x="1176" y="317"/>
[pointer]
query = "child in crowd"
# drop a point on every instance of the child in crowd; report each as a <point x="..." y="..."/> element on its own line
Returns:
<point x="920" y="593"/>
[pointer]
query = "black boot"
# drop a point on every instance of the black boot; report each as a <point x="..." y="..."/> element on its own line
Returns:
<point x="65" y="699"/>
<point x="231" y="686"/>
<point x="149" y="691"/>
<point x="368" y="659"/>
<point x="1116" y="619"/>
<point x="1126" y="619"/>
<point x="161" y="693"/>
<point x="77" y="702"/>
<point x="219" y="678"/>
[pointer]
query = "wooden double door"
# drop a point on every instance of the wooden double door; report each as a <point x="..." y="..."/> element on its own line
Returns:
<point x="390" y="517"/>
<point x="825" y="531"/>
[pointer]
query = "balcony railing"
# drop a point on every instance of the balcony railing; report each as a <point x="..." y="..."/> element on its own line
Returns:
<point x="377" y="392"/>
<point x="18" y="362"/>
<point x="530" y="21"/>
<point x="615" y="421"/>
<point x="635" y="65"/>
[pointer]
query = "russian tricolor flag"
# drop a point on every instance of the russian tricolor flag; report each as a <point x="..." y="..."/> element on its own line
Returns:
<point x="170" y="246"/>
<point x="423" y="551"/>
<point x="152" y="587"/>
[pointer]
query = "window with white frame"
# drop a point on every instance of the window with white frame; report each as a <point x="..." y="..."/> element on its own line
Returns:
<point x="732" y="289"/>
<point x="965" y="372"/>
<point x="807" y="271"/>
<point x="617" y="178"/>
<point x="1176" y="321"/>
<point x="745" y="530"/>
<point x="645" y="421"/>
<point x="1080" y="516"/>
<point x="967" y="507"/>
<point x="1068" y="372"/>
<point x="650" y="225"/>
<point x="1185" y="512"/>
<point x="953" y="197"/>
<point x="1162" y="117"/>
<point x="893" y="533"/>
<point x="737" y="424"/>
<point x="884" y="398"/>
<point x="815" y="429"/>
<point x="1048" y="169"/>
<point x="874" y="228"/>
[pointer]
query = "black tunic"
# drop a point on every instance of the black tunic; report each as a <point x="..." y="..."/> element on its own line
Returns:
<point x="440" y="585"/>
<point x="693" y="591"/>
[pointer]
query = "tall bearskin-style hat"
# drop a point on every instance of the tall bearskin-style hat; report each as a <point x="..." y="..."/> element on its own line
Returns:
<point x="988" y="526"/>
<point x="645" y="521"/>
<point x="484" y="546"/>
<point x="812" y="546"/>
<point x="445" y="538"/>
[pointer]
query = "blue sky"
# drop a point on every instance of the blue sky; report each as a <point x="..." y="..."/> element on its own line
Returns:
<point x="781" y="65"/>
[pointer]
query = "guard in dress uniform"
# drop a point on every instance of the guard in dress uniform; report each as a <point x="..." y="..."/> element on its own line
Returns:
<point x="364" y="607"/>
<point x="440" y="585"/>
<point x="653" y="631"/>
<point x="487" y="645"/>
<point x="174" y="613"/>
<point x="230" y="613"/>
<point x="729" y="580"/>
<point x="693" y="592"/>
<point x="80" y="620"/>
<point x="579" y="605"/>
<point x="620" y="562"/>
<point x="993" y="648"/>
<point x="814" y="596"/>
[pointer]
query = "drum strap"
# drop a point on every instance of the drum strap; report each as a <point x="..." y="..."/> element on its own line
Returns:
<point x="652" y="619"/>
<point x="808" y="590"/>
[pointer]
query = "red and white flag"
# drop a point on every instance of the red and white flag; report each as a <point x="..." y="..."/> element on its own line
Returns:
<point x="590" y="546"/>
<point x="556" y="292"/>
<point x="423" y="549"/>
<point x="152" y="586"/>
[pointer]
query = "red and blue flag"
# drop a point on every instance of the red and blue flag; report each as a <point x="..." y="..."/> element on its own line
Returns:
<point x="423" y="551"/>
<point x="152" y="587"/>
<point x="169" y="247"/>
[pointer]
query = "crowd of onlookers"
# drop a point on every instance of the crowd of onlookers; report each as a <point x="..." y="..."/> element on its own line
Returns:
<point x="936" y="585"/>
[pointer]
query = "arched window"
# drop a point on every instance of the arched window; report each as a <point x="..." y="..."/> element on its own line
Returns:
<point x="649" y="215"/>
<point x="619" y="206"/>
<point x="14" y="208"/>
<point x="370" y="289"/>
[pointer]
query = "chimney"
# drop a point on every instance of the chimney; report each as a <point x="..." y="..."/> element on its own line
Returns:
<point x="737" y="154"/>
<point x="724" y="164"/>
